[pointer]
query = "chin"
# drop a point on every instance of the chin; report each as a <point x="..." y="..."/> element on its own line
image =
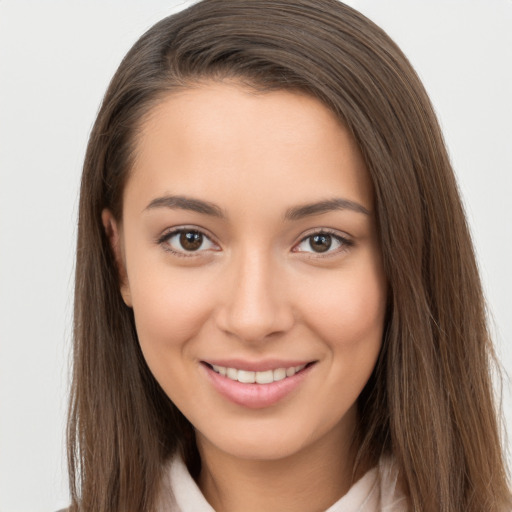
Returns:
<point x="259" y="448"/>
<point x="268" y="440"/>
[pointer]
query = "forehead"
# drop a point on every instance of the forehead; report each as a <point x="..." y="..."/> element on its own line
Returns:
<point x="220" y="139"/>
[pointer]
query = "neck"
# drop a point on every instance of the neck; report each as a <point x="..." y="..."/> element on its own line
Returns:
<point x="311" y="479"/>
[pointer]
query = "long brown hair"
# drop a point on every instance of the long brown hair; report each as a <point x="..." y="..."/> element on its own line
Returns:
<point x="429" y="401"/>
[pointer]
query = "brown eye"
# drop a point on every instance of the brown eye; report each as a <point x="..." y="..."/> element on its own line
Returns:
<point x="191" y="240"/>
<point x="321" y="242"/>
<point x="186" y="242"/>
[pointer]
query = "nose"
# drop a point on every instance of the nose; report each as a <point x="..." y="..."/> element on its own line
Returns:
<point x="255" y="305"/>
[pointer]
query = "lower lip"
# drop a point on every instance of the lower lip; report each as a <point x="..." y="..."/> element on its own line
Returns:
<point x="255" y="396"/>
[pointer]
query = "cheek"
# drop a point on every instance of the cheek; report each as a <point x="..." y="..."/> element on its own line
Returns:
<point x="169" y="307"/>
<point x="348" y="309"/>
<point x="347" y="313"/>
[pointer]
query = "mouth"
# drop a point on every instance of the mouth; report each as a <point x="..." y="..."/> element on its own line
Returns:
<point x="258" y="377"/>
<point x="257" y="388"/>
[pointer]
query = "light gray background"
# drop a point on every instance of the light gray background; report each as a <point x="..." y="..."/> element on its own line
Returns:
<point x="56" y="58"/>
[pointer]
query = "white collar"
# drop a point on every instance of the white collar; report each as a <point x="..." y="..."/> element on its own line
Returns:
<point x="376" y="491"/>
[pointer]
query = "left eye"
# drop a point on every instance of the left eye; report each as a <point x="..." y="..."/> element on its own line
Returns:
<point x="187" y="241"/>
<point x="321" y="243"/>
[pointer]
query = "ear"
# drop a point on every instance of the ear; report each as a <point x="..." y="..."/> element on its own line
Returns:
<point x="113" y="232"/>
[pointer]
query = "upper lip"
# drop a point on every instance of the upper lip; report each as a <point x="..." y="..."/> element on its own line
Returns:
<point x="257" y="366"/>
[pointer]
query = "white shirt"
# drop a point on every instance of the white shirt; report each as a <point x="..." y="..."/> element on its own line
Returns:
<point x="376" y="491"/>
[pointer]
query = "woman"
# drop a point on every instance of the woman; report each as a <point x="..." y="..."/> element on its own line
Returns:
<point x="277" y="301"/>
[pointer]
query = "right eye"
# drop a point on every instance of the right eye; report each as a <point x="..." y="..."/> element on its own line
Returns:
<point x="187" y="242"/>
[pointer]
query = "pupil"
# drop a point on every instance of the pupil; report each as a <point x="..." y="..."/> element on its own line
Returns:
<point x="320" y="243"/>
<point x="191" y="240"/>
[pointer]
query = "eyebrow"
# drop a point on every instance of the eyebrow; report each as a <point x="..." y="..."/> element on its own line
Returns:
<point x="295" y="213"/>
<point x="329" y="205"/>
<point x="187" y="203"/>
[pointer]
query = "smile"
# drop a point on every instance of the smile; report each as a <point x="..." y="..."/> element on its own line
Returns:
<point x="250" y="377"/>
<point x="257" y="385"/>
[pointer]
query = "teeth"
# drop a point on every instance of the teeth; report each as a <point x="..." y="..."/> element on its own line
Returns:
<point x="266" y="377"/>
<point x="232" y="373"/>
<point x="245" y="377"/>
<point x="280" y="374"/>
<point x="220" y="369"/>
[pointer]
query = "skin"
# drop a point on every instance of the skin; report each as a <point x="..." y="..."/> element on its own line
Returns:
<point x="256" y="288"/>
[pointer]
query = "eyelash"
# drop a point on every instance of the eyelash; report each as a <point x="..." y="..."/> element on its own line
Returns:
<point x="164" y="241"/>
<point x="344" y="242"/>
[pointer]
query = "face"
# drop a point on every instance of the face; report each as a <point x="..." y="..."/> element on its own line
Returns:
<point x="249" y="254"/>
